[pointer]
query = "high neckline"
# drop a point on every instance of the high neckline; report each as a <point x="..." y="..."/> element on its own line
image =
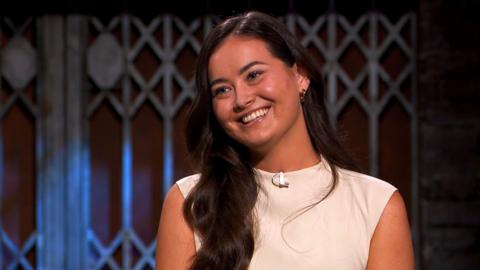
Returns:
<point x="317" y="174"/>
<point x="294" y="173"/>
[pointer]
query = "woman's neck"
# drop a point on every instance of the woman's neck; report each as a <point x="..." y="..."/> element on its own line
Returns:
<point x="285" y="159"/>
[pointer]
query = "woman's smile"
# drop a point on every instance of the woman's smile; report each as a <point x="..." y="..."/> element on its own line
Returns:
<point x="254" y="116"/>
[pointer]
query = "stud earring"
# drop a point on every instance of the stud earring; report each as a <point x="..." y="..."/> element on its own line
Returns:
<point x="302" y="95"/>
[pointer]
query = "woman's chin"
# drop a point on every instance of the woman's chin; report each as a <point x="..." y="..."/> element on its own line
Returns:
<point x="258" y="146"/>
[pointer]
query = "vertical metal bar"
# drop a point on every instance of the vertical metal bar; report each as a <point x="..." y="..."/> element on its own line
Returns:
<point x="373" y="58"/>
<point x="331" y="63"/>
<point x="207" y="25"/>
<point x="168" y="153"/>
<point x="39" y="149"/>
<point x="167" y="97"/>
<point x="415" y="210"/>
<point x="1" y="191"/>
<point x="373" y="141"/>
<point x="1" y="156"/>
<point x="374" y="111"/>
<point x="85" y="172"/>
<point x="52" y="176"/>
<point x="290" y="22"/>
<point x="85" y="177"/>
<point x="75" y="34"/>
<point x="126" y="192"/>
<point x="126" y="152"/>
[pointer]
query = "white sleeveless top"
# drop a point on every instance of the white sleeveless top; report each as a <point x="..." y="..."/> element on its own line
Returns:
<point x="333" y="234"/>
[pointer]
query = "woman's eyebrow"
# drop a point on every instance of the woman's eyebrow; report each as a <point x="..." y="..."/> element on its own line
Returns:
<point x="249" y="65"/>
<point x="219" y="80"/>
<point x="240" y="71"/>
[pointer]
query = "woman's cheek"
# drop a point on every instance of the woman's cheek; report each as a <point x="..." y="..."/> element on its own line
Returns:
<point x="221" y="112"/>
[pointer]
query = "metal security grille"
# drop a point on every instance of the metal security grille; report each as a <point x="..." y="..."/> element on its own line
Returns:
<point x="112" y="63"/>
<point x="19" y="71"/>
<point x="108" y="115"/>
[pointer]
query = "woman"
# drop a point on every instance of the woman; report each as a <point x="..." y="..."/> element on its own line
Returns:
<point x="275" y="190"/>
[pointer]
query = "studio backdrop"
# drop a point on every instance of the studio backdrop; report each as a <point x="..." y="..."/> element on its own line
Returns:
<point x="92" y="113"/>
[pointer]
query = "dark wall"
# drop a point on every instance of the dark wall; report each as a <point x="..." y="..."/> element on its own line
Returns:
<point x="195" y="8"/>
<point x="449" y="118"/>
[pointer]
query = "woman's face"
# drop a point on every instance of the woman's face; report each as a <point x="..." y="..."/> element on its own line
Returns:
<point x="255" y="95"/>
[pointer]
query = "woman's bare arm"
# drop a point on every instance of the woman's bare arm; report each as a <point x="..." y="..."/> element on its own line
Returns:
<point x="175" y="241"/>
<point x="391" y="244"/>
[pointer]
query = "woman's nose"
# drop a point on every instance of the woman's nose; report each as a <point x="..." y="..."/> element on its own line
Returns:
<point x="244" y="96"/>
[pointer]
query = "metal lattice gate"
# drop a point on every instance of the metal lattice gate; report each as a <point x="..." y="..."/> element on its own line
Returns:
<point x="92" y="111"/>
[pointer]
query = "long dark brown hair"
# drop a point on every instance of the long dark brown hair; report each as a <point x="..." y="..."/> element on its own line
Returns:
<point x="220" y="207"/>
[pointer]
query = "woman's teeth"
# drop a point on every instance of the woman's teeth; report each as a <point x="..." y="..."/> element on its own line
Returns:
<point x="254" y="115"/>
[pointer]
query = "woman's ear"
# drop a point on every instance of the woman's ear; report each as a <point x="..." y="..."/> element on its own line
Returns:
<point x="303" y="81"/>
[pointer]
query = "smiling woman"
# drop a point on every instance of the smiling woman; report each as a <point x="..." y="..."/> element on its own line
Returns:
<point x="275" y="189"/>
<point x="251" y="104"/>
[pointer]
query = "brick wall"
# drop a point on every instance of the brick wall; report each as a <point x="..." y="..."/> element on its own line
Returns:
<point x="449" y="137"/>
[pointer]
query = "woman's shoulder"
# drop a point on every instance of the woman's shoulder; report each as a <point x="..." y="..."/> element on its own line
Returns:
<point x="371" y="194"/>
<point x="187" y="183"/>
<point x="365" y="183"/>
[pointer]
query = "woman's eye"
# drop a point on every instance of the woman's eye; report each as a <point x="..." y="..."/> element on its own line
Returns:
<point x="253" y="75"/>
<point x="220" y="91"/>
